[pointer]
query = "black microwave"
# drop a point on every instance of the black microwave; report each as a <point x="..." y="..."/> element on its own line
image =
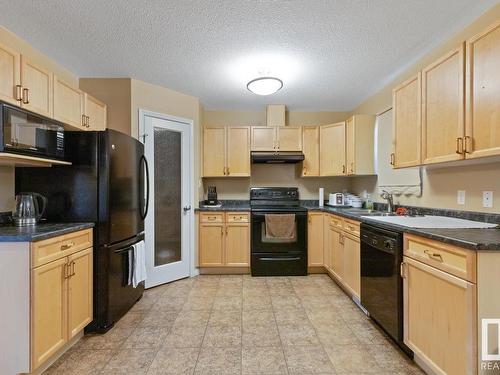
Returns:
<point x="23" y="132"/>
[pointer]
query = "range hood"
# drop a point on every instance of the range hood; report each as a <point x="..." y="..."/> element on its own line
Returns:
<point x="270" y="157"/>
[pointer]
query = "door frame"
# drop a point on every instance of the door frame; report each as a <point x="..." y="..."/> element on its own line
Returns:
<point x="143" y="113"/>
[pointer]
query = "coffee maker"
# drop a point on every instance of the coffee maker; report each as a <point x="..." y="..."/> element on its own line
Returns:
<point x="211" y="197"/>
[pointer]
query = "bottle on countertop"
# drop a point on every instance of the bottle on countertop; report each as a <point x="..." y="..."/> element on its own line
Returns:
<point x="369" y="202"/>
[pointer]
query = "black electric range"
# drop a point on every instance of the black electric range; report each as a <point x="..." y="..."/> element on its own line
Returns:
<point x="274" y="256"/>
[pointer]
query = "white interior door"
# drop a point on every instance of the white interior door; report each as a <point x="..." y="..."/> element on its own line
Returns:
<point x="168" y="225"/>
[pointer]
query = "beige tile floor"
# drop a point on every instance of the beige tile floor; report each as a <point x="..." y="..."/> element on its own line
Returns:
<point x="240" y="325"/>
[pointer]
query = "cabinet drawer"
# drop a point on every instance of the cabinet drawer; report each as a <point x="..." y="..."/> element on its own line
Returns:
<point x="454" y="260"/>
<point x="336" y="221"/>
<point x="216" y="217"/>
<point x="352" y="227"/>
<point x="54" y="248"/>
<point x="237" y="217"/>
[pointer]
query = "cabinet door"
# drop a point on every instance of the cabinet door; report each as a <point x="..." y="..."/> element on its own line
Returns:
<point x="96" y="112"/>
<point x="211" y="245"/>
<point x="68" y="104"/>
<point x="310" y="148"/>
<point x="327" y="246"/>
<point x="350" y="143"/>
<point x="439" y="317"/>
<point x="289" y="138"/>
<point x="10" y="76"/>
<point x="238" y="151"/>
<point x="80" y="308"/>
<point x="315" y="240"/>
<point x="37" y="88"/>
<point x="443" y="108"/>
<point x="237" y="245"/>
<point x="406" y="123"/>
<point x="352" y="269"/>
<point x="337" y="251"/>
<point x="483" y="94"/>
<point x="332" y="159"/>
<point x="214" y="151"/>
<point x="263" y="138"/>
<point x="49" y="312"/>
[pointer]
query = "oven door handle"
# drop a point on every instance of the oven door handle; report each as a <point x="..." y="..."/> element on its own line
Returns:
<point x="281" y="258"/>
<point x="262" y="214"/>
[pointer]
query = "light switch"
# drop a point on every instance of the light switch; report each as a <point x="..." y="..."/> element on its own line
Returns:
<point x="461" y="197"/>
<point x="487" y="199"/>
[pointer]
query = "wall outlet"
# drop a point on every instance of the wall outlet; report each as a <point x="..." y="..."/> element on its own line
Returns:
<point x="461" y="197"/>
<point x="487" y="199"/>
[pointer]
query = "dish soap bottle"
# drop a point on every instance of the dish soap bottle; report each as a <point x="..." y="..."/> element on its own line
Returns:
<point x="369" y="202"/>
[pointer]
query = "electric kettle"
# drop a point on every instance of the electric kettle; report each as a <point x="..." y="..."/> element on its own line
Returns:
<point x="28" y="210"/>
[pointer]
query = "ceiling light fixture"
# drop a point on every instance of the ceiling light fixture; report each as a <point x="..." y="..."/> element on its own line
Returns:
<point x="265" y="85"/>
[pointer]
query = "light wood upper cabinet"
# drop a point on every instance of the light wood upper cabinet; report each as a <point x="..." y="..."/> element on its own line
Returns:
<point x="352" y="263"/>
<point x="333" y="156"/>
<point x="226" y="151"/>
<point x="443" y="108"/>
<point x="96" y="113"/>
<point x="214" y="151"/>
<point x="238" y="151"/>
<point x="360" y="132"/>
<point x="289" y="138"/>
<point x="80" y="306"/>
<point x="37" y="87"/>
<point x="49" y="311"/>
<point x="237" y="245"/>
<point x="315" y="239"/>
<point x="10" y="76"/>
<point x="406" y="104"/>
<point x="483" y="94"/>
<point x="439" y="318"/>
<point x="310" y="148"/>
<point x="68" y="104"/>
<point x="264" y="138"/>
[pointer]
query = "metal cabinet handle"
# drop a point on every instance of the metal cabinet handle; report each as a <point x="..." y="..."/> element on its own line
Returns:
<point x="65" y="270"/>
<point x="26" y="96"/>
<point x="393" y="157"/>
<point x="212" y="218"/>
<point x="402" y="270"/>
<point x="19" y="93"/>
<point x="460" y="146"/>
<point x="84" y="120"/>
<point x="435" y="256"/>
<point x="468" y="145"/>
<point x="73" y="268"/>
<point x="88" y="121"/>
<point x="67" y="246"/>
<point x="228" y="173"/>
<point x="352" y="167"/>
<point x="343" y="168"/>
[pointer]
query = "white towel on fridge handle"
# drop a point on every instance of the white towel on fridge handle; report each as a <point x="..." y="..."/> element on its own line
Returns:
<point x="139" y="263"/>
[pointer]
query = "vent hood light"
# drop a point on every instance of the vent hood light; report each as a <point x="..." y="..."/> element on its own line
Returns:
<point x="265" y="85"/>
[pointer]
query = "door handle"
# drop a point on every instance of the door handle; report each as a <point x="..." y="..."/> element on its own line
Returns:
<point x="187" y="208"/>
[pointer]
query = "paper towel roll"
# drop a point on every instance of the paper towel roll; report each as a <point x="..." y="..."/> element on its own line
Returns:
<point x="321" y="196"/>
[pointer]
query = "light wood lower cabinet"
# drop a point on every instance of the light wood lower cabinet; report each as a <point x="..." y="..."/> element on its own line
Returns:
<point x="439" y="318"/>
<point x="224" y="239"/>
<point x="49" y="310"/>
<point x="315" y="240"/>
<point x="342" y="252"/>
<point x="61" y="301"/>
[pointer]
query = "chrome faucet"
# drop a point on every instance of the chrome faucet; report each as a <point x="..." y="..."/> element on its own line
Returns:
<point x="390" y="200"/>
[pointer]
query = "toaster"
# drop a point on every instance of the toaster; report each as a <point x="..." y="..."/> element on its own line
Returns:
<point x="336" y="199"/>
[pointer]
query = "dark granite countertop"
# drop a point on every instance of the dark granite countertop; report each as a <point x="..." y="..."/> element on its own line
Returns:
<point x="227" y="205"/>
<point x="42" y="231"/>
<point x="474" y="239"/>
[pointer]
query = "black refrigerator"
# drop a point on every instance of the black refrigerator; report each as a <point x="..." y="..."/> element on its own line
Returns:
<point x="108" y="184"/>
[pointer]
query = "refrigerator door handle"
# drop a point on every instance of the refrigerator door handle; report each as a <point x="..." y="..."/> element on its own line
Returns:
<point x="146" y="169"/>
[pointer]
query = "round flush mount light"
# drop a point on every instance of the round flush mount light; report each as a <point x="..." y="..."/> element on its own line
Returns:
<point x="265" y="85"/>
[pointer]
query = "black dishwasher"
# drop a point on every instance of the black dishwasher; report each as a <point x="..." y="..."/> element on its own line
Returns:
<point x="381" y="283"/>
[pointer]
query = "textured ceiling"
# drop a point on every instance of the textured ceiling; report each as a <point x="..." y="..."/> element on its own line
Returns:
<point x="331" y="54"/>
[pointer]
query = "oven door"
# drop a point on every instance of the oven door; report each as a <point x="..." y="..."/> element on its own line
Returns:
<point x="261" y="243"/>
